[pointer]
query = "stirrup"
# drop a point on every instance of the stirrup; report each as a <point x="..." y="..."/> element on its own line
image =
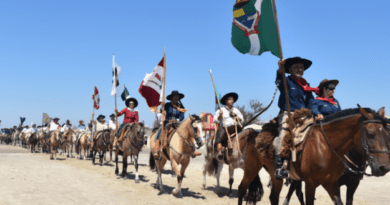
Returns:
<point x="281" y="174"/>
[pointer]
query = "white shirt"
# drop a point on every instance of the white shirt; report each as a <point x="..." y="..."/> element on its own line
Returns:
<point x="228" y="119"/>
<point x="100" y="126"/>
<point x="159" y="116"/>
<point x="53" y="126"/>
<point x="33" y="130"/>
<point x="24" y="130"/>
<point x="111" y="124"/>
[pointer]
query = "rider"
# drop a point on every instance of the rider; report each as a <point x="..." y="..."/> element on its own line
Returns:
<point x="131" y="115"/>
<point x="174" y="111"/>
<point x="53" y="126"/>
<point x="67" y="126"/>
<point x="325" y="104"/>
<point x="111" y="122"/>
<point x="229" y="113"/>
<point x="300" y="96"/>
<point x="100" y="125"/>
<point x="81" y="126"/>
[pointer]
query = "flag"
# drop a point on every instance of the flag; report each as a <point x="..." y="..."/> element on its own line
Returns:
<point x="125" y="93"/>
<point x="151" y="86"/>
<point x="216" y="99"/>
<point x="96" y="99"/>
<point x="46" y="118"/>
<point x="116" y="71"/>
<point x="254" y="28"/>
<point x="22" y="119"/>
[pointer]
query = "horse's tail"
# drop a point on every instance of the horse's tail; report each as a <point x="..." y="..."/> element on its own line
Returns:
<point x="152" y="163"/>
<point x="256" y="191"/>
<point x="211" y="166"/>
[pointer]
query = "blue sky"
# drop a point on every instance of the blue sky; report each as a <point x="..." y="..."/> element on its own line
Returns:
<point x="53" y="53"/>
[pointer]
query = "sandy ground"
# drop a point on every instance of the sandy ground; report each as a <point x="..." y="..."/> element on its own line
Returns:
<point x="27" y="178"/>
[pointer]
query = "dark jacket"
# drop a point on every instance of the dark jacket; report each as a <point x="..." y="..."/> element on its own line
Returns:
<point x="325" y="108"/>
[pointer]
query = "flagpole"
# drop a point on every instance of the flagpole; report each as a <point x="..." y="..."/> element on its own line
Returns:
<point x="163" y="104"/>
<point x="283" y="74"/>
<point x="223" y="118"/>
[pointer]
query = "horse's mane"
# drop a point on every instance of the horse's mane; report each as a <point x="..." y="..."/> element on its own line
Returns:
<point x="347" y="113"/>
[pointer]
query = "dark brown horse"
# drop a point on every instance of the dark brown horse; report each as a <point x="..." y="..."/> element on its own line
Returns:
<point x="319" y="162"/>
<point x="33" y="141"/>
<point x="101" y="142"/>
<point x="132" y="144"/>
<point x="351" y="179"/>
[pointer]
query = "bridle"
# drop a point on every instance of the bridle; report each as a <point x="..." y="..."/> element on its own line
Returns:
<point x="366" y="150"/>
<point x="192" y="146"/>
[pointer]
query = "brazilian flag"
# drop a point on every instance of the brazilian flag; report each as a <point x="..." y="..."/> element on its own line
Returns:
<point x="254" y="29"/>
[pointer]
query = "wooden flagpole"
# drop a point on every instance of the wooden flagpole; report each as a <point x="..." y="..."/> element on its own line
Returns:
<point x="223" y="119"/>
<point x="93" y="113"/>
<point x="163" y="104"/>
<point x="116" y="79"/>
<point x="283" y="75"/>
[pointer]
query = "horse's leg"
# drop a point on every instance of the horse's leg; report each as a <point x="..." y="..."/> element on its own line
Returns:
<point x="231" y="179"/>
<point x="218" y="176"/>
<point x="205" y="173"/>
<point x="51" y="152"/>
<point x="116" y="162"/>
<point x="251" y="170"/>
<point x="310" y="192"/>
<point x="111" y="155"/>
<point x="124" y="167"/>
<point x="93" y="156"/>
<point x="299" y="193"/>
<point x="180" y="176"/>
<point x="293" y="187"/>
<point x="131" y="160"/>
<point x="352" y="185"/>
<point x="136" y="168"/>
<point x="101" y="156"/>
<point x="333" y="190"/>
<point x="160" y="165"/>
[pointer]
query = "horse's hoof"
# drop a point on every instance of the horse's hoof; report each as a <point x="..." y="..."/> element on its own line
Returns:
<point x="137" y="181"/>
<point x="132" y="163"/>
<point x="203" y="187"/>
<point x="174" y="191"/>
<point x="116" y="172"/>
<point x="230" y="195"/>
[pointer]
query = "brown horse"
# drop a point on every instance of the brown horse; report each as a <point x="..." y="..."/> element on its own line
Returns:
<point x="33" y="140"/>
<point x="110" y="147"/>
<point x="55" y="143"/>
<point x="180" y="149"/>
<point x="132" y="144"/>
<point x="67" y="148"/>
<point x="83" y="146"/>
<point x="213" y="166"/>
<point x="100" y="145"/>
<point x="42" y="141"/>
<point x="319" y="162"/>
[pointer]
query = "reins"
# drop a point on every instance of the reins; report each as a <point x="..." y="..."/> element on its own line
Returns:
<point x="185" y="140"/>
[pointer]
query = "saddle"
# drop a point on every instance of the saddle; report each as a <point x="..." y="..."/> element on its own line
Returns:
<point x="301" y="130"/>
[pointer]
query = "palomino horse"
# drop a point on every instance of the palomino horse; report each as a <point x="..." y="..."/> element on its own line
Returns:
<point x="16" y="137"/>
<point x="33" y="141"/>
<point x="55" y="143"/>
<point x="100" y="145"/>
<point x="67" y="148"/>
<point x="83" y="146"/>
<point x="319" y="162"/>
<point x="180" y="150"/>
<point x="213" y="165"/>
<point x="351" y="179"/>
<point x="132" y="144"/>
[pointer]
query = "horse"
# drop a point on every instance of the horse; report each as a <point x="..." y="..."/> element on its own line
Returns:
<point x="33" y="141"/>
<point x="16" y="137"/>
<point x="83" y="146"/>
<point x="110" y="147"/>
<point x="213" y="165"/>
<point x="55" y="142"/>
<point x="319" y="162"/>
<point x="132" y="144"/>
<point x="350" y="179"/>
<point x="23" y="139"/>
<point x="180" y="149"/>
<point x="42" y="141"/>
<point x="68" y="136"/>
<point x="100" y="145"/>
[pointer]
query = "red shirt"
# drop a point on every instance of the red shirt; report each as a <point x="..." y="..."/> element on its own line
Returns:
<point x="130" y="116"/>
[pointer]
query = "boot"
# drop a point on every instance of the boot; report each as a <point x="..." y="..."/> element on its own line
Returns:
<point x="156" y="154"/>
<point x="280" y="172"/>
<point x="195" y="154"/>
<point x="220" y="149"/>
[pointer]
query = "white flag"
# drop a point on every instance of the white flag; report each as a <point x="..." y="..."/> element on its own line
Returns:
<point x="116" y="71"/>
<point x="46" y="118"/>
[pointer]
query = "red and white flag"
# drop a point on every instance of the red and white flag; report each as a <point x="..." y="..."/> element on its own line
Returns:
<point x="151" y="86"/>
<point x="96" y="99"/>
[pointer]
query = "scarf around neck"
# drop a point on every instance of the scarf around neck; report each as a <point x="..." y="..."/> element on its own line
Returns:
<point x="179" y="108"/>
<point x="303" y="83"/>
<point x="329" y="100"/>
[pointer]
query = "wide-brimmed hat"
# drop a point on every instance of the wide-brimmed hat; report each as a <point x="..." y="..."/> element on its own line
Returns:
<point x="112" y="115"/>
<point x="56" y="119"/>
<point x="128" y="100"/>
<point x="240" y="3"/>
<point x="294" y="60"/>
<point x="101" y="116"/>
<point x="225" y="97"/>
<point x="175" y="92"/>
<point x="326" y="82"/>
<point x="81" y="121"/>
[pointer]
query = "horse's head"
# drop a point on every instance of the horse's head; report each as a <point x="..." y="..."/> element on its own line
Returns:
<point x="197" y="130"/>
<point x="375" y="141"/>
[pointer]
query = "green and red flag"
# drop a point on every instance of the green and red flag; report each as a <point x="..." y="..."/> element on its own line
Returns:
<point x="254" y="28"/>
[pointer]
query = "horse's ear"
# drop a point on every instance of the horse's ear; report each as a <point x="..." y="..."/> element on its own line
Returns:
<point x="381" y="112"/>
<point x="192" y="118"/>
<point x="363" y="112"/>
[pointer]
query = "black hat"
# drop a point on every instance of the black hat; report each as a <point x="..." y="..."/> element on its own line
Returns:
<point x="175" y="92"/>
<point x="112" y="115"/>
<point x="56" y="119"/>
<point x="131" y="100"/>
<point x="294" y="60"/>
<point x="81" y="121"/>
<point x="101" y="116"/>
<point x="225" y="97"/>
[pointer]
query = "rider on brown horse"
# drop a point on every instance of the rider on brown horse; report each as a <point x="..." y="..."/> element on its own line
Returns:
<point x="131" y="116"/>
<point x="325" y="104"/>
<point x="300" y="96"/>
<point x="174" y="115"/>
<point x="230" y="114"/>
